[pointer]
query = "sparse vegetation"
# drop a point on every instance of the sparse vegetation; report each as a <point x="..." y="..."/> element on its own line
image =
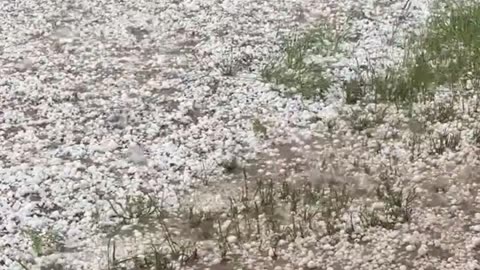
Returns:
<point x="230" y="164"/>
<point x="396" y="205"/>
<point x="134" y="208"/>
<point x="44" y="243"/>
<point x="362" y="119"/>
<point x="476" y="136"/>
<point x="440" y="112"/>
<point x="265" y="211"/>
<point x="444" y="55"/>
<point x="259" y="128"/>
<point x="295" y="69"/>
<point x="270" y="211"/>
<point x="441" y="141"/>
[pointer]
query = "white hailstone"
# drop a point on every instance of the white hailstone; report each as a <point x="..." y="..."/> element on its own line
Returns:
<point x="327" y="247"/>
<point x="137" y="155"/>
<point x="24" y="65"/>
<point x="417" y="178"/>
<point x="469" y="85"/>
<point x="423" y="250"/>
<point x="271" y="252"/>
<point x="472" y="265"/>
<point x="231" y="239"/>
<point x="378" y="205"/>
<point x="311" y="264"/>
<point x="410" y="248"/>
<point x="475" y="242"/>
<point x="475" y="228"/>
<point x="109" y="146"/>
<point x="137" y="233"/>
<point x="226" y="224"/>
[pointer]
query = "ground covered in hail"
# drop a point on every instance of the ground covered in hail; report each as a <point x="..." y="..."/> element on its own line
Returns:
<point x="220" y="134"/>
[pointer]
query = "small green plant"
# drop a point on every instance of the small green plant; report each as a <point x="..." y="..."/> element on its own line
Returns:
<point x="476" y="136"/>
<point x="397" y="207"/>
<point x="334" y="205"/>
<point x="354" y="90"/>
<point x="203" y="222"/>
<point x="37" y="241"/>
<point x="441" y="141"/>
<point x="230" y="165"/>
<point x="331" y="124"/>
<point x="440" y="112"/>
<point x="414" y="143"/>
<point x="365" y="118"/>
<point x="259" y="128"/>
<point x="232" y="63"/>
<point x="44" y="243"/>
<point x="295" y="70"/>
<point x="228" y="67"/>
<point x="446" y="54"/>
<point x="406" y="83"/>
<point x="156" y="259"/>
<point x="135" y="207"/>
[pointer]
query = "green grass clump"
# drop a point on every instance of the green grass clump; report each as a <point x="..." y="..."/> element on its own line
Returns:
<point x="397" y="205"/>
<point x="446" y="54"/>
<point x="453" y="42"/>
<point x="44" y="243"/>
<point x="293" y="70"/>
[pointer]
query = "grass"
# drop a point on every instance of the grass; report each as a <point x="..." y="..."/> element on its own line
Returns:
<point x="475" y="136"/>
<point x="294" y="70"/>
<point x="269" y="211"/>
<point x="265" y="212"/>
<point x="134" y="208"/>
<point x="44" y="243"/>
<point x="444" y="57"/>
<point x="362" y="119"/>
<point x="258" y="128"/>
<point x="446" y="54"/>
<point x="443" y="141"/>
<point x="397" y="205"/>
<point x="230" y="164"/>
